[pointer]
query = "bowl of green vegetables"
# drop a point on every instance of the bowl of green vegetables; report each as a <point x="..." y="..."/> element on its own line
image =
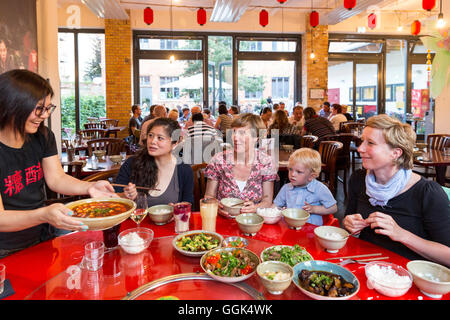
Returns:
<point x="195" y="243"/>
<point x="290" y="255"/>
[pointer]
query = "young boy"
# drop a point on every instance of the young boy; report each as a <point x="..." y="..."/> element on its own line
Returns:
<point x="304" y="191"/>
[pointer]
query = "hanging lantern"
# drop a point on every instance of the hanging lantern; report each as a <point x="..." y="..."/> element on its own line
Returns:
<point x="148" y="15"/>
<point x="372" y="21"/>
<point x="281" y="1"/>
<point x="428" y="4"/>
<point x="201" y="16"/>
<point x="349" y="4"/>
<point x="313" y="19"/>
<point x="264" y="18"/>
<point x="415" y="27"/>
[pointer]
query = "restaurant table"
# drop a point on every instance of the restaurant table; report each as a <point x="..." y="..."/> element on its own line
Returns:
<point x="434" y="158"/>
<point x="51" y="270"/>
<point x="113" y="131"/>
<point x="104" y="165"/>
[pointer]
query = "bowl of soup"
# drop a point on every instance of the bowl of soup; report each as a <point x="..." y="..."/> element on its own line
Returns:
<point x="101" y="213"/>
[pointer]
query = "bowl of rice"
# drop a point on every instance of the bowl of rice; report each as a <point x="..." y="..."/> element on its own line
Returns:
<point x="432" y="279"/>
<point x="135" y="240"/>
<point x="332" y="239"/>
<point x="388" y="279"/>
<point x="160" y="214"/>
<point x="270" y="215"/>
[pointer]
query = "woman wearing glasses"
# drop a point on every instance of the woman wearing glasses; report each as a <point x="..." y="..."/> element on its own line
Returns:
<point x="28" y="159"/>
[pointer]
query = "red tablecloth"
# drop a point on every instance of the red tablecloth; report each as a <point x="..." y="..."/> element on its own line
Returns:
<point x="34" y="272"/>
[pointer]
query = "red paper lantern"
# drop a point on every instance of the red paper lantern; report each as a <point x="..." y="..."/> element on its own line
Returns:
<point x="201" y="16"/>
<point x="264" y="18"/>
<point x="372" y="21"/>
<point x="415" y="27"/>
<point x="349" y="4"/>
<point x="148" y="15"/>
<point x="313" y="19"/>
<point x="428" y="4"/>
<point x="281" y="1"/>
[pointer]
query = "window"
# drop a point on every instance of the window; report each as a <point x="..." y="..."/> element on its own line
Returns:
<point x="359" y="47"/>
<point x="168" y="44"/>
<point x="82" y="76"/>
<point x="145" y="80"/>
<point x="280" y="87"/>
<point x="167" y="90"/>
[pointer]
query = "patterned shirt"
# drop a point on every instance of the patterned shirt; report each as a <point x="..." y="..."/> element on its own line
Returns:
<point x="315" y="193"/>
<point x="221" y="169"/>
<point x="319" y="127"/>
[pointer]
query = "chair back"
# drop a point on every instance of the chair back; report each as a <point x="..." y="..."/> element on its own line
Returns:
<point x="94" y="125"/>
<point x="93" y="133"/>
<point x="308" y="141"/>
<point x="349" y="126"/>
<point x="109" y="175"/>
<point x="343" y="158"/>
<point x="437" y="141"/>
<point x="329" y="151"/>
<point x="199" y="184"/>
<point x="112" y="146"/>
<point x="109" y="123"/>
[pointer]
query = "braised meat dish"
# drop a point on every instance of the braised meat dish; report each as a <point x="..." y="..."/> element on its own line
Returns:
<point x="325" y="283"/>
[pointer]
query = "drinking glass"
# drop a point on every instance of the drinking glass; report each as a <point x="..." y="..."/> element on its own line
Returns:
<point x="182" y="213"/>
<point x="93" y="255"/>
<point x="208" y="212"/>
<point x="82" y="154"/>
<point x="2" y="277"/>
<point x="141" y="208"/>
<point x="123" y="155"/>
<point x="110" y="236"/>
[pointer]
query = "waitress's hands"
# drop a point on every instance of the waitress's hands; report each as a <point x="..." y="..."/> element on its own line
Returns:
<point x="354" y="223"/>
<point x="385" y="225"/>
<point x="101" y="188"/>
<point x="130" y="191"/>
<point x="58" y="216"/>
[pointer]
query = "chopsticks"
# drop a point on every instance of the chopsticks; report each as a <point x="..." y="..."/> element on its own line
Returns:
<point x="124" y="185"/>
<point x="359" y="256"/>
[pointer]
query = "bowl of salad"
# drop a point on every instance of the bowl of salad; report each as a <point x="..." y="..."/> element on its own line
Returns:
<point x="290" y="255"/>
<point x="195" y="243"/>
<point x="230" y="265"/>
<point x="235" y="242"/>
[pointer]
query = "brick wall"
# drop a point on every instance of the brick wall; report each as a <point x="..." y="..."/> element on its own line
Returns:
<point x="118" y="61"/>
<point x="314" y="71"/>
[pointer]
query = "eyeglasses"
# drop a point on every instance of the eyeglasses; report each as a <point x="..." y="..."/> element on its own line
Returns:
<point x="39" y="110"/>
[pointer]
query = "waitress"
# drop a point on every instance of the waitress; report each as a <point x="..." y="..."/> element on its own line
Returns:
<point x="28" y="161"/>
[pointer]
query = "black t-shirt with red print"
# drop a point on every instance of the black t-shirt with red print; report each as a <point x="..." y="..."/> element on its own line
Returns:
<point x="22" y="184"/>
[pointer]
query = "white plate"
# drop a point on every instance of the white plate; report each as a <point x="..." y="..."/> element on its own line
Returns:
<point x="197" y="253"/>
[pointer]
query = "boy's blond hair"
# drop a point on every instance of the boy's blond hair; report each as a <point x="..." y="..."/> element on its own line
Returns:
<point x="309" y="158"/>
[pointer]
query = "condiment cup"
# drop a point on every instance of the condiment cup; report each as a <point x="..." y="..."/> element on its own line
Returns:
<point x="131" y="247"/>
<point x="385" y="285"/>
<point x="227" y="242"/>
<point x="275" y="286"/>
<point x="431" y="278"/>
<point x="249" y="223"/>
<point x="331" y="245"/>
<point x="295" y="217"/>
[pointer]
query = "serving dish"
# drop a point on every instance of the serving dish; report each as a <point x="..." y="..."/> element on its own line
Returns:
<point x="190" y="234"/>
<point x="290" y="255"/>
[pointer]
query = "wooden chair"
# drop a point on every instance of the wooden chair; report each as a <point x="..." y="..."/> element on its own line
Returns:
<point x="92" y="133"/>
<point x="343" y="159"/>
<point x="348" y="126"/>
<point x="94" y="125"/>
<point x="109" y="123"/>
<point x="435" y="141"/>
<point x="199" y="184"/>
<point x="329" y="151"/>
<point x="112" y="146"/>
<point x="308" y="141"/>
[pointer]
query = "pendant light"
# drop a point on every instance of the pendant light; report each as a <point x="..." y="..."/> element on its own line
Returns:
<point x="441" y="22"/>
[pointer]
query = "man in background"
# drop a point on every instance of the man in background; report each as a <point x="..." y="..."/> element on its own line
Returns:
<point x="325" y="111"/>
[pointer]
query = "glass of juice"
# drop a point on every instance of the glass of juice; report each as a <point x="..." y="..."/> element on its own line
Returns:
<point x="208" y="212"/>
<point x="182" y="213"/>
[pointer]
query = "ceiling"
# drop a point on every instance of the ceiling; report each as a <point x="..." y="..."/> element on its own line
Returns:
<point x="332" y="11"/>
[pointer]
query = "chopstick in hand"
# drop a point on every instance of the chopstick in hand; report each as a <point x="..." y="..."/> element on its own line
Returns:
<point x="124" y="185"/>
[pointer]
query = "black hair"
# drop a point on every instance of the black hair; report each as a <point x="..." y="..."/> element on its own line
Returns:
<point x="222" y="103"/>
<point x="337" y="107"/>
<point x="144" y="171"/>
<point x="266" y="110"/>
<point x="207" y="111"/>
<point x="309" y="113"/>
<point x="134" y="108"/>
<point x="197" y="117"/>
<point x="326" y="103"/>
<point x="223" y="109"/>
<point x="235" y="109"/>
<point x="20" y="92"/>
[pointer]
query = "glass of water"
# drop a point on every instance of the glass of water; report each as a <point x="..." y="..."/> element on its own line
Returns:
<point x="123" y="154"/>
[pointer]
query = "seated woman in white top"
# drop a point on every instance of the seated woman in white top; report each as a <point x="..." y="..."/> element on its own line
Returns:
<point x="336" y="117"/>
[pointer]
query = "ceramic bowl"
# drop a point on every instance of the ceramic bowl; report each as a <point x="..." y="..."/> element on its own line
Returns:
<point x="382" y="281"/>
<point x="249" y="223"/>
<point x="236" y="242"/>
<point x="228" y="203"/>
<point x="160" y="214"/>
<point x="116" y="159"/>
<point x="295" y="218"/>
<point x="270" y="215"/>
<point x="99" y="153"/>
<point x="145" y="234"/>
<point x="103" y="223"/>
<point x="253" y="257"/>
<point x="317" y="265"/>
<point x="275" y="286"/>
<point x="199" y="253"/>
<point x="431" y="278"/>
<point x="331" y="238"/>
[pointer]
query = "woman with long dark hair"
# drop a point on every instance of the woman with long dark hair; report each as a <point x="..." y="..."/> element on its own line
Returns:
<point x="29" y="160"/>
<point x="155" y="166"/>
<point x="281" y="122"/>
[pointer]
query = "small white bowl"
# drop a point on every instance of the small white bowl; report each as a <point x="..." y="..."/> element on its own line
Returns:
<point x="269" y="218"/>
<point x="432" y="279"/>
<point x="383" y="284"/>
<point x="324" y="235"/>
<point x="275" y="287"/>
<point x="144" y="233"/>
<point x="295" y="217"/>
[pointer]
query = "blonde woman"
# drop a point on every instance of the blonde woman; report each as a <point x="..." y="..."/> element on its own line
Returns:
<point x="391" y="206"/>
